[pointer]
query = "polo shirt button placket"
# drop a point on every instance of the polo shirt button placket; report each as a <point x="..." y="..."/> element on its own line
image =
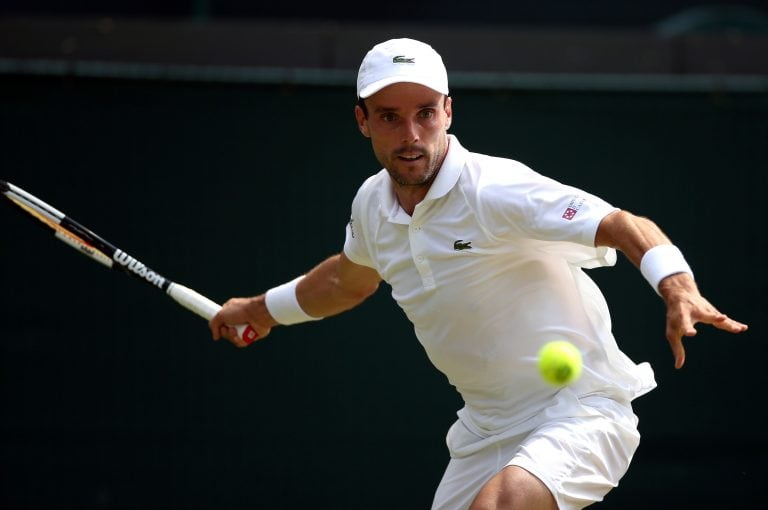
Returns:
<point x="418" y="245"/>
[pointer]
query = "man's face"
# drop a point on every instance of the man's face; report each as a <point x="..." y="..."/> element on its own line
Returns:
<point x="407" y="124"/>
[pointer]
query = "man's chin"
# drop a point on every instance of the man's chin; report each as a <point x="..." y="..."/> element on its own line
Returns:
<point x="410" y="180"/>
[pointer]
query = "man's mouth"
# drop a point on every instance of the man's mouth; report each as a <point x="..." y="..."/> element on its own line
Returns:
<point x="410" y="157"/>
<point x="410" y="154"/>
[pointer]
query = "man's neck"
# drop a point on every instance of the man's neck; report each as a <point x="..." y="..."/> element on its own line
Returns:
<point x="409" y="196"/>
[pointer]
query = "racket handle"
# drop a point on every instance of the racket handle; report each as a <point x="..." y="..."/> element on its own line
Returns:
<point x="205" y="308"/>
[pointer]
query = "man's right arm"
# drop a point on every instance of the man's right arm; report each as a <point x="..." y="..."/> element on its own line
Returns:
<point x="335" y="285"/>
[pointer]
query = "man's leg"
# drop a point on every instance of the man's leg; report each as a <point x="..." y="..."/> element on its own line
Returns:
<point x="514" y="488"/>
<point x="571" y="462"/>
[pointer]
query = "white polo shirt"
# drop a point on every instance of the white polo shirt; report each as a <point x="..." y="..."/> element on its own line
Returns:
<point x="488" y="269"/>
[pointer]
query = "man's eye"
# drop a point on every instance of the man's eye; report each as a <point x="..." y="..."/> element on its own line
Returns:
<point x="388" y="117"/>
<point x="427" y="114"/>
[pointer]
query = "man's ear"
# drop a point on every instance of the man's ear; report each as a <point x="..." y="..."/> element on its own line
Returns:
<point x="362" y="122"/>
<point x="448" y="111"/>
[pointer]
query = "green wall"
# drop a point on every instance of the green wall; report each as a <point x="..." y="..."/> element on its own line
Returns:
<point x="111" y="396"/>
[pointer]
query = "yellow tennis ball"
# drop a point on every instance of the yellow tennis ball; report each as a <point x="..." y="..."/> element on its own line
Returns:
<point x="559" y="362"/>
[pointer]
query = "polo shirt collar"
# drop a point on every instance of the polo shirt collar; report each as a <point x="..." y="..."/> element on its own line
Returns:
<point x="445" y="180"/>
<point x="449" y="173"/>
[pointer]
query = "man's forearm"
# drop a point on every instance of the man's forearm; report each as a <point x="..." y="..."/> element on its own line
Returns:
<point x="630" y="234"/>
<point x="334" y="286"/>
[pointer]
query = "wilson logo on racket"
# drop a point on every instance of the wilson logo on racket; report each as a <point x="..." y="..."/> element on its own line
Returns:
<point x="137" y="267"/>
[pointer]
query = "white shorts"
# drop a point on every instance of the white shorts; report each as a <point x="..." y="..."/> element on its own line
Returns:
<point x="578" y="458"/>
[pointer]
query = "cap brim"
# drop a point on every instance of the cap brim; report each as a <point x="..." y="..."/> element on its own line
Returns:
<point x="376" y="86"/>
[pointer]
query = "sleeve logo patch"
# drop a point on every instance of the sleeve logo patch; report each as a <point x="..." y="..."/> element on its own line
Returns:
<point x="573" y="207"/>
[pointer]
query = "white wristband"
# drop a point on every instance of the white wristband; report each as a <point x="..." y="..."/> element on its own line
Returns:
<point x="662" y="261"/>
<point x="284" y="307"/>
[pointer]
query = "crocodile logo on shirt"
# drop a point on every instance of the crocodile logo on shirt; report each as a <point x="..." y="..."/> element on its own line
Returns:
<point x="460" y="245"/>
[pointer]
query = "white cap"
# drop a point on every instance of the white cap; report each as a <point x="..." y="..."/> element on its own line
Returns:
<point x="401" y="60"/>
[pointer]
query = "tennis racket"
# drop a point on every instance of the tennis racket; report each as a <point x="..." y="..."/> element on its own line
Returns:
<point x="86" y="242"/>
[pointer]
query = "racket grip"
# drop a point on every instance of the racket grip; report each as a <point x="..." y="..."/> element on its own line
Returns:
<point x="205" y="308"/>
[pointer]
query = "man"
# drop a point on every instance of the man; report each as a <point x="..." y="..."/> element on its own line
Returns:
<point x="486" y="258"/>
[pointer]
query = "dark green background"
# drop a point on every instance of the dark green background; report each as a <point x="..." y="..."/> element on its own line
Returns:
<point x="111" y="396"/>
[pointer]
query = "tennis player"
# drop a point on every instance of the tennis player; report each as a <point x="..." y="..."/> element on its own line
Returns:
<point x="486" y="257"/>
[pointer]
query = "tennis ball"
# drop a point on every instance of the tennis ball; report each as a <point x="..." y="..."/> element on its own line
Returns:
<point x="559" y="362"/>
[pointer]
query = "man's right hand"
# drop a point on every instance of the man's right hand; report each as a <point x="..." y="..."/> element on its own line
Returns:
<point x="252" y="311"/>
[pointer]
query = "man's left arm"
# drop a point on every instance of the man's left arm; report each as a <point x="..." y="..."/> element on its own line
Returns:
<point x="651" y="251"/>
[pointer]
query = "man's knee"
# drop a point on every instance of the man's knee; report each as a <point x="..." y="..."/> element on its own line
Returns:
<point x="514" y="488"/>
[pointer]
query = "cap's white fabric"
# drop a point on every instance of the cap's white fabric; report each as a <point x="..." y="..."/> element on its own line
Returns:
<point x="401" y="60"/>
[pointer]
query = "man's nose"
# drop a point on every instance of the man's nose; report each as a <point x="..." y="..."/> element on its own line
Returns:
<point x="410" y="131"/>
